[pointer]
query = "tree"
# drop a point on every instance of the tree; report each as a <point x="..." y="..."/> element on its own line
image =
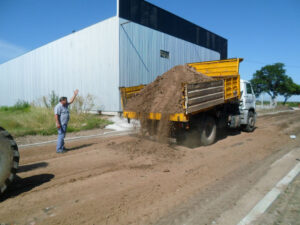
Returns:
<point x="289" y="88"/>
<point x="269" y="79"/>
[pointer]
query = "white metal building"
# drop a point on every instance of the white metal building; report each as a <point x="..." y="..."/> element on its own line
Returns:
<point x="141" y="42"/>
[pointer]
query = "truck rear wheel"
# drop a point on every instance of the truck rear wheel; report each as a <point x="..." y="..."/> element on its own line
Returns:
<point x="250" y="123"/>
<point x="203" y="132"/>
<point x="9" y="159"/>
<point x="208" y="130"/>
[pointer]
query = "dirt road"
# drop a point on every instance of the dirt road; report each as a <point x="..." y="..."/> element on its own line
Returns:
<point x="128" y="180"/>
<point x="286" y="209"/>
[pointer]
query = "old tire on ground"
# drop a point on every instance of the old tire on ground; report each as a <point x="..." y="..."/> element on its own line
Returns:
<point x="9" y="159"/>
<point x="208" y="130"/>
<point x="250" y="123"/>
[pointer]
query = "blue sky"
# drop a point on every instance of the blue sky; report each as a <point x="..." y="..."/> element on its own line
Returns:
<point x="261" y="31"/>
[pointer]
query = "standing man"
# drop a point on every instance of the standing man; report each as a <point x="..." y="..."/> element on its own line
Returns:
<point x="62" y="117"/>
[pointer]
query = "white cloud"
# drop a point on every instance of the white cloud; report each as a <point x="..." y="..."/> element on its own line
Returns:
<point x="9" y="51"/>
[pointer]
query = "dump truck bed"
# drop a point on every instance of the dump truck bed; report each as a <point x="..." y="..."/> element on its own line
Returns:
<point x="198" y="97"/>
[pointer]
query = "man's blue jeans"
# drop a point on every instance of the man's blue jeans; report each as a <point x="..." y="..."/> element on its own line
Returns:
<point x="60" y="139"/>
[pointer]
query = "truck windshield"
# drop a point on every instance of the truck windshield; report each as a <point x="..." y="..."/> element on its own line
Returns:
<point x="249" y="89"/>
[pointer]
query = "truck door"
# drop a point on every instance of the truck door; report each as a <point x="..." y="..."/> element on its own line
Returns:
<point x="249" y="97"/>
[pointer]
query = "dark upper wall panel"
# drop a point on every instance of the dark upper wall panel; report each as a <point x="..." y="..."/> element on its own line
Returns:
<point x="149" y="15"/>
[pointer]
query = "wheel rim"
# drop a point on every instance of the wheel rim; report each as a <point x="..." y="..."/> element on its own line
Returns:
<point x="251" y="121"/>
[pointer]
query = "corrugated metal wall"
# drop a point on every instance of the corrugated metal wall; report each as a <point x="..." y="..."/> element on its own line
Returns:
<point x="87" y="60"/>
<point x="140" y="61"/>
<point x="90" y="60"/>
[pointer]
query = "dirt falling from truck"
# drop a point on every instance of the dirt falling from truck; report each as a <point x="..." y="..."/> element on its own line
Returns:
<point x="164" y="95"/>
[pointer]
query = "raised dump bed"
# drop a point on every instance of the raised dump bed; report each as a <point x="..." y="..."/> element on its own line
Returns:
<point x="198" y="97"/>
<point x="226" y="70"/>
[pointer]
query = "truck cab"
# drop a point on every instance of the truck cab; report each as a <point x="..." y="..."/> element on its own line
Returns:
<point x="247" y="106"/>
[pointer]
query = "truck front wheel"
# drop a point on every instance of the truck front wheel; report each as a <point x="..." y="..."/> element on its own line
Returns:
<point x="250" y="123"/>
<point x="208" y="130"/>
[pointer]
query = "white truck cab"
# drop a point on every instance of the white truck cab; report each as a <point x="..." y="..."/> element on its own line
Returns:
<point x="247" y="106"/>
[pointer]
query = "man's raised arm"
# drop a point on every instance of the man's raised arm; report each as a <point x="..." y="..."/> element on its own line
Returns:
<point x="74" y="96"/>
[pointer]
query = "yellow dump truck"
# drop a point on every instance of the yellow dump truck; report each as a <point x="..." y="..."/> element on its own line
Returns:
<point x="227" y="101"/>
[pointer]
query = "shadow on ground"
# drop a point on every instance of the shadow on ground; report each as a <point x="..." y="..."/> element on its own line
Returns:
<point x="79" y="147"/>
<point x="22" y="185"/>
<point x="33" y="166"/>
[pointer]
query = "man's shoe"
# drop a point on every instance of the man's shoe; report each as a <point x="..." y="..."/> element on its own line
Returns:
<point x="61" y="152"/>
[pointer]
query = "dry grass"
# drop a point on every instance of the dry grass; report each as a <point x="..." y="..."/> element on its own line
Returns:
<point x="32" y="120"/>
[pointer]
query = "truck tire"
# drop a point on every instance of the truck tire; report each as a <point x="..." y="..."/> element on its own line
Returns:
<point x="208" y="130"/>
<point x="9" y="159"/>
<point x="250" y="123"/>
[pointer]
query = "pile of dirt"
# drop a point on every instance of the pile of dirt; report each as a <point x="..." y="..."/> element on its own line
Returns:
<point x="136" y="147"/>
<point x="164" y="95"/>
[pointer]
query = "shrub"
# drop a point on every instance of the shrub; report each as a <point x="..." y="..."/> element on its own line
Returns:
<point x="20" y="106"/>
<point x="83" y="104"/>
<point x="51" y="101"/>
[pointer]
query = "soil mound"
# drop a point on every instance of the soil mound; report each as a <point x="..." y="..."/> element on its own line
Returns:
<point x="164" y="95"/>
<point x="137" y="147"/>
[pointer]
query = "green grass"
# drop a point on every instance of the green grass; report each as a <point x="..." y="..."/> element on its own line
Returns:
<point x="291" y="104"/>
<point x="288" y="104"/>
<point x="23" y="119"/>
